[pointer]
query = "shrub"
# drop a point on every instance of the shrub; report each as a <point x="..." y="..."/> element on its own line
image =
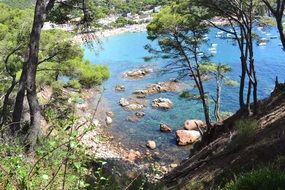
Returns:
<point x="246" y="129"/>
<point x="266" y="178"/>
<point x="188" y="95"/>
<point x="74" y="84"/>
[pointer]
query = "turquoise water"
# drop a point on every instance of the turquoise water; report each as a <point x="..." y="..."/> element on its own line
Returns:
<point x="126" y="51"/>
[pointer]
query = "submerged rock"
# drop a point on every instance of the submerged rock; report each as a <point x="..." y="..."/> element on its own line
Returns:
<point x="162" y="103"/>
<point x="193" y="124"/>
<point x="133" y="118"/>
<point x="120" y="88"/>
<point x="185" y="137"/>
<point x="140" y="114"/>
<point x="151" y="145"/>
<point x="165" y="128"/>
<point x="134" y="107"/>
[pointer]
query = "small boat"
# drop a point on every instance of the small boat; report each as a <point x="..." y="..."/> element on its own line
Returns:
<point x="220" y="32"/>
<point x="200" y="54"/>
<point x="218" y="36"/>
<point x="230" y="36"/>
<point x="280" y="44"/>
<point x="262" y="44"/>
<point x="267" y="34"/>
<point x="259" y="28"/>
<point x="264" y="40"/>
<point x="273" y="37"/>
<point x="214" y="45"/>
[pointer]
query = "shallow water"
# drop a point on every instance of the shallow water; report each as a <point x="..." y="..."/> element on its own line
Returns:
<point x="126" y="51"/>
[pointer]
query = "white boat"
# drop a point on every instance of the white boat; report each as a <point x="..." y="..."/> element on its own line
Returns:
<point x="259" y="28"/>
<point x="214" y="45"/>
<point x="218" y="36"/>
<point x="230" y="36"/>
<point x="262" y="44"/>
<point x="213" y="50"/>
<point x="280" y="44"/>
<point x="267" y="34"/>
<point x="200" y="54"/>
<point x="264" y="39"/>
<point x="220" y="32"/>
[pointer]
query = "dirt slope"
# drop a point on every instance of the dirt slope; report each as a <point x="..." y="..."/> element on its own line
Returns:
<point x="221" y="159"/>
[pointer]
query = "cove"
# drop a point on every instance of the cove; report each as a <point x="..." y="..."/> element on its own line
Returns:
<point x="126" y="51"/>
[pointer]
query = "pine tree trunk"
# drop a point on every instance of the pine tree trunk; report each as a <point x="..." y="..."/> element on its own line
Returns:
<point x="35" y="114"/>
<point x="6" y="102"/>
<point x="280" y="29"/>
<point x="18" y="107"/>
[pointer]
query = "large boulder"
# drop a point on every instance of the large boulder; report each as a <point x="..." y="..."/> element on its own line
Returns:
<point x="165" y="128"/>
<point x="162" y="103"/>
<point x="185" y="137"/>
<point x="151" y="145"/>
<point x="193" y="124"/>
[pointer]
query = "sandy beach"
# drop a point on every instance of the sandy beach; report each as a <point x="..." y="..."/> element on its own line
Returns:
<point x="82" y="38"/>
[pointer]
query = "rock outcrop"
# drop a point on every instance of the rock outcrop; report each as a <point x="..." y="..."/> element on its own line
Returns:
<point x="165" y="128"/>
<point x="133" y="104"/>
<point x="160" y="87"/>
<point x="137" y="73"/>
<point x="162" y="103"/>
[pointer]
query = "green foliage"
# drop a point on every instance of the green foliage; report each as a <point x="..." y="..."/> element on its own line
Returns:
<point x="266" y="21"/>
<point x="23" y="4"/>
<point x="74" y="84"/>
<point x="246" y="128"/>
<point x="266" y="178"/>
<point x="60" y="160"/>
<point x="130" y="6"/>
<point x="190" y="96"/>
<point x="231" y="83"/>
<point x="67" y="62"/>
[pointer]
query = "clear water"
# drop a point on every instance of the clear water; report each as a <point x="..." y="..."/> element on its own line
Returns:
<point x="126" y="51"/>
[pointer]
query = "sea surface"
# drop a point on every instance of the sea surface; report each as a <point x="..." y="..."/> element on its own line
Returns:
<point x="126" y="51"/>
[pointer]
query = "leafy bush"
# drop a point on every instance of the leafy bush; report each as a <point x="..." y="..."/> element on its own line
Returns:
<point x="265" y="178"/>
<point x="74" y="84"/>
<point x="60" y="160"/>
<point x="188" y="95"/>
<point x="90" y="74"/>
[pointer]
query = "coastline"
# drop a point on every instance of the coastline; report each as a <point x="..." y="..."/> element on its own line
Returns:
<point x="100" y="34"/>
